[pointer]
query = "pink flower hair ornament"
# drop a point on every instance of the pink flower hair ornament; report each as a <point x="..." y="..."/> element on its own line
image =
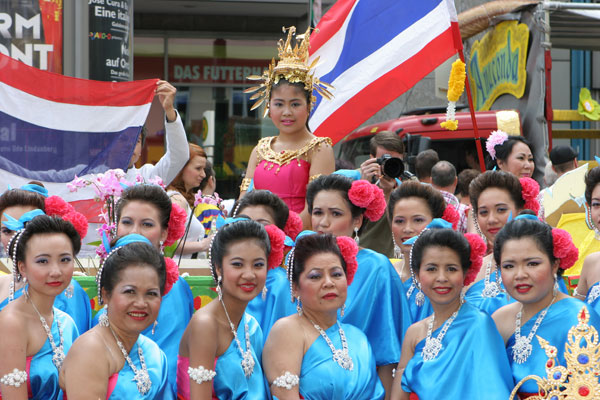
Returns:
<point x="293" y="226"/>
<point x="277" y="239"/>
<point x="478" y="249"/>
<point x="176" y="227"/>
<point x="564" y="249"/>
<point x="172" y="274"/>
<point x="495" y="138"/>
<point x="451" y="215"/>
<point x="349" y="250"/>
<point x="368" y="196"/>
<point x="530" y="192"/>
<point x="55" y="205"/>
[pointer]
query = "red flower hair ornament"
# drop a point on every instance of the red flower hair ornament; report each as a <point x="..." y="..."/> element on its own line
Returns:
<point x="176" y="228"/>
<point x="368" y="196"/>
<point x="564" y="249"/>
<point x="349" y="250"/>
<point x="56" y="206"/>
<point x="172" y="274"/>
<point x="277" y="239"/>
<point x="451" y="215"/>
<point x="478" y="249"/>
<point x="293" y="226"/>
<point x="530" y="193"/>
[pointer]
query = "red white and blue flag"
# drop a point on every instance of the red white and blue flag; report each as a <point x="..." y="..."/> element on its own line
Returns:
<point x="372" y="51"/>
<point x="54" y="127"/>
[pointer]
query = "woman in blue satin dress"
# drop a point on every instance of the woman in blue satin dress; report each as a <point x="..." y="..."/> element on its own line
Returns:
<point x="532" y="256"/>
<point x="588" y="288"/>
<point x="35" y="334"/>
<point x="312" y="355"/>
<point x="220" y="351"/>
<point x="375" y="303"/>
<point x="456" y="353"/>
<point x="13" y="204"/>
<point x="114" y="360"/>
<point x="274" y="302"/>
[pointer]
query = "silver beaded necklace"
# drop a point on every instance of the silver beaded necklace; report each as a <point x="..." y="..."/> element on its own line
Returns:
<point x="340" y="356"/>
<point x="247" y="359"/>
<point x="433" y="345"/>
<point x="140" y="376"/>
<point x="491" y="289"/>
<point x="522" y="348"/>
<point x="58" y="352"/>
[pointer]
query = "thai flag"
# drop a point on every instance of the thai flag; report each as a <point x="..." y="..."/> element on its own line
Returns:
<point x="54" y="127"/>
<point x="372" y="51"/>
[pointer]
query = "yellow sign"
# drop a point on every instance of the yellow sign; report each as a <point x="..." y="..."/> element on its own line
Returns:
<point x="498" y="63"/>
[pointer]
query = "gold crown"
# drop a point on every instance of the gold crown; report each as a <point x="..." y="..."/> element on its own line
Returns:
<point x="579" y="380"/>
<point x="292" y="66"/>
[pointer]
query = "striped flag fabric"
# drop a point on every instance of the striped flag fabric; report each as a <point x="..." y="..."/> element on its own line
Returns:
<point x="54" y="127"/>
<point x="372" y="51"/>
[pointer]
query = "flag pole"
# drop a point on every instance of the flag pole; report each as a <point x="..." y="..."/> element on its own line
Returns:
<point x="473" y="119"/>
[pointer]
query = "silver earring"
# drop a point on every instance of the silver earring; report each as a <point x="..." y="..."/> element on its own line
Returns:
<point x="356" y="238"/>
<point x="397" y="249"/>
<point x="298" y="306"/>
<point x="478" y="229"/>
<point x="24" y="279"/>
<point x="69" y="291"/>
<point x="342" y="311"/>
<point x="103" y="318"/>
<point x="264" y="292"/>
<point x="162" y="247"/>
<point x="555" y="289"/>
<point x="219" y="292"/>
<point x="154" y="327"/>
<point x="420" y="296"/>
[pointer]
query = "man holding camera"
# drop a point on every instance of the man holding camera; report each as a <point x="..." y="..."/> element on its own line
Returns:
<point x="384" y="166"/>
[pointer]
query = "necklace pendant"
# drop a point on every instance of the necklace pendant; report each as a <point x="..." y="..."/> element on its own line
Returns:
<point x="431" y="349"/>
<point x="142" y="380"/>
<point x="343" y="359"/>
<point x="58" y="356"/>
<point x="491" y="289"/>
<point x="521" y="350"/>
<point x="248" y="363"/>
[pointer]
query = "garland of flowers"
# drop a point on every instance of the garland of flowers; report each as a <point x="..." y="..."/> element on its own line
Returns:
<point x="456" y="86"/>
<point x="478" y="249"/>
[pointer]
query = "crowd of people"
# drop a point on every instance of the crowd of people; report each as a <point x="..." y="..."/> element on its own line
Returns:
<point x="345" y="284"/>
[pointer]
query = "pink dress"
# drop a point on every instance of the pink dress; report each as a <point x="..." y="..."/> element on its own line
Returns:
<point x="287" y="173"/>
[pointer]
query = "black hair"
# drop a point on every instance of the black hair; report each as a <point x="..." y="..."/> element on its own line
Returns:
<point x="209" y="173"/>
<point x="129" y="255"/>
<point x="278" y="210"/>
<point x="20" y="197"/>
<point x="441" y="238"/>
<point x="310" y="245"/>
<point x="434" y="199"/>
<point x="152" y="194"/>
<point x="333" y="182"/>
<point x="498" y="179"/>
<point x="503" y="150"/>
<point x="235" y="232"/>
<point x="539" y="232"/>
<point x="592" y="179"/>
<point x="42" y="224"/>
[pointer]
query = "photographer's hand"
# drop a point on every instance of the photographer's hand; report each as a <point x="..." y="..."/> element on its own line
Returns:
<point x="370" y="170"/>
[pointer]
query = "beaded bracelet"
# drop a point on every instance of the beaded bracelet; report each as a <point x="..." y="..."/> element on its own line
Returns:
<point x="201" y="374"/>
<point x="287" y="380"/>
<point x="15" y="378"/>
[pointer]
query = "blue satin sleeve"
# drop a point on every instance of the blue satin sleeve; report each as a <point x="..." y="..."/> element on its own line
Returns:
<point x="321" y="378"/>
<point x="376" y="306"/>
<point x="472" y="363"/>
<point x="156" y="363"/>
<point x="554" y="328"/>
<point x="230" y="383"/>
<point x="276" y="304"/>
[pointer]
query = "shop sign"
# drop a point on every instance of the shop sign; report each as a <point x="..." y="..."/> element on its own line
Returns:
<point x="212" y="70"/>
<point x="31" y="32"/>
<point x="498" y="64"/>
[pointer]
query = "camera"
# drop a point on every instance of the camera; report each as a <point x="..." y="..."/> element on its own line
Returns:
<point x="392" y="167"/>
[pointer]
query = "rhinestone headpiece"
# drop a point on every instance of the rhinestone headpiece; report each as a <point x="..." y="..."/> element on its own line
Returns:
<point x="580" y="378"/>
<point x="293" y="66"/>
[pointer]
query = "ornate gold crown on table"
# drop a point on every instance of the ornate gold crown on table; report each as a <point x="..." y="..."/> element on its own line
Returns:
<point x="292" y="66"/>
<point x="579" y="380"/>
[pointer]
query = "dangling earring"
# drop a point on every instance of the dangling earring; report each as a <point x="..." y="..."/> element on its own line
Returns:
<point x="555" y="289"/>
<point x="24" y="279"/>
<point x="264" y="292"/>
<point x="154" y="327"/>
<point x="103" y="318"/>
<point x="356" y="238"/>
<point x="298" y="306"/>
<point x="590" y="223"/>
<point x="420" y="296"/>
<point x="162" y="247"/>
<point x="477" y="228"/>
<point x="69" y="291"/>
<point x="342" y="310"/>
<point x="397" y="249"/>
<point x="219" y="292"/>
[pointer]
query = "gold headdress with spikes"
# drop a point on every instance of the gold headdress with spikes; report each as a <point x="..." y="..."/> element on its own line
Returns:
<point x="292" y="66"/>
<point x="580" y="379"/>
